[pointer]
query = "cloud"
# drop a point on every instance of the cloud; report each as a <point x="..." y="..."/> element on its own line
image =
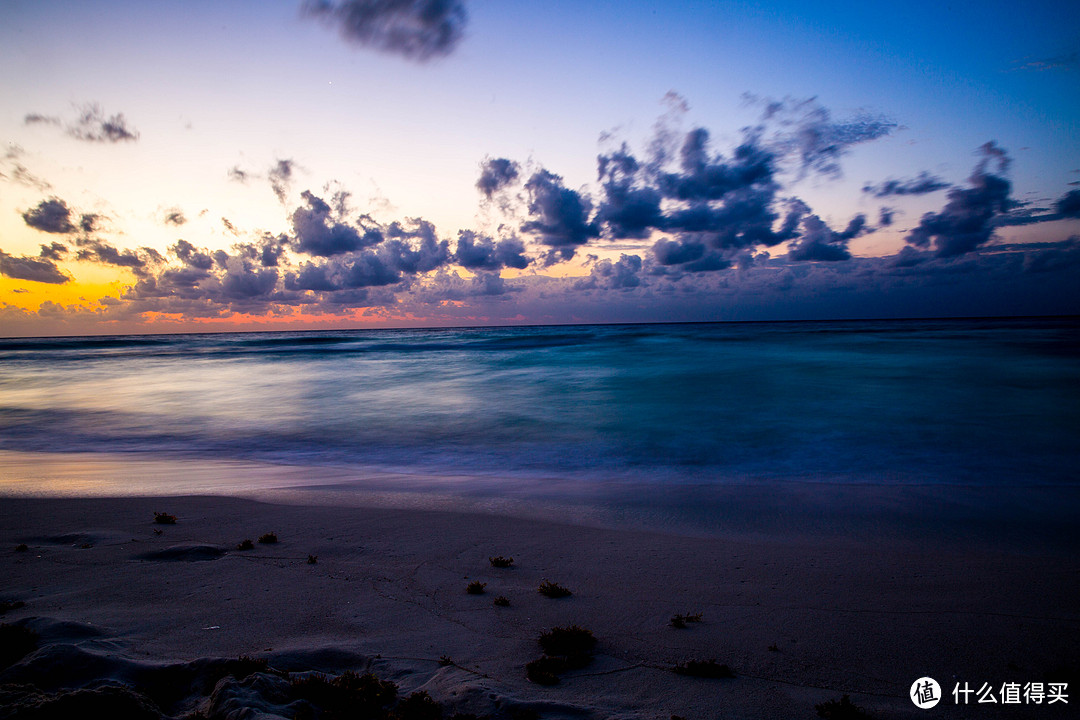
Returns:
<point x="558" y="215"/>
<point x="94" y="250"/>
<point x="808" y="132"/>
<point x="318" y="230"/>
<point x="93" y="126"/>
<point x="622" y="274"/>
<point x="53" y="251"/>
<point x="280" y="175"/>
<point x="40" y="269"/>
<point x="479" y="252"/>
<point x="418" y="30"/>
<point x="175" y="217"/>
<point x="496" y="174"/>
<point x="238" y="175"/>
<point x="1069" y="204"/>
<point x="968" y="219"/>
<point x="51" y="216"/>
<point x="921" y="185"/>
<point x="11" y="161"/>
<point x="820" y="243"/>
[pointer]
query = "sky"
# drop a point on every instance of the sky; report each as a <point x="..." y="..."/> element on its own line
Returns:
<point x="253" y="165"/>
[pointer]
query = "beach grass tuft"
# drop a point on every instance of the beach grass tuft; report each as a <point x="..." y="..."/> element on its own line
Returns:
<point x="245" y="544"/>
<point x="312" y="559"/>
<point x="501" y="562"/>
<point x="680" y="621"/>
<point x="162" y="518"/>
<point x="476" y="588"/>
<point x="501" y="601"/>
<point x="347" y="695"/>
<point x="418" y="706"/>
<point x="21" y="547"/>
<point x="553" y="590"/>
<point x="268" y="538"/>
<point x="568" y="641"/>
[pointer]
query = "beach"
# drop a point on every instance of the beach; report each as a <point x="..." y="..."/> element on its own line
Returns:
<point x="801" y="616"/>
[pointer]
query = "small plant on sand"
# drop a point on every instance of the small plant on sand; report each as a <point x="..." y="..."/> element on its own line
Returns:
<point x="445" y="661"/>
<point x="680" y="621"/>
<point x="268" y="538"/>
<point x="312" y="559"/>
<point x="565" y="649"/>
<point x="157" y="531"/>
<point x="774" y="648"/>
<point x="418" y="706"/>
<point x="246" y="665"/>
<point x="245" y="545"/>
<point x="6" y="605"/>
<point x="501" y="601"/>
<point x="842" y="709"/>
<point x="546" y="670"/>
<point x="21" y="547"/>
<point x="704" y="669"/>
<point x="475" y="588"/>
<point x="568" y="641"/>
<point x="164" y="518"/>
<point x="553" y="590"/>
<point x="501" y="562"/>
<point x="347" y="695"/>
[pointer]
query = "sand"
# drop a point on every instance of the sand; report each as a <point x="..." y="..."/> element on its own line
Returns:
<point x="802" y="613"/>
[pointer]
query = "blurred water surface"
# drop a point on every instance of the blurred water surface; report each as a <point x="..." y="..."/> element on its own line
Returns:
<point x="980" y="402"/>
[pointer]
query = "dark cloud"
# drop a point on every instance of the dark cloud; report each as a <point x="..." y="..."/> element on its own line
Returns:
<point x="192" y="256"/>
<point x="921" y="185"/>
<point x="39" y="269"/>
<point x="94" y="126"/>
<point x="39" y="119"/>
<point x="677" y="252"/>
<point x="239" y="175"/>
<point x="496" y="174"/>
<point x="629" y="208"/>
<point x="51" y="216"/>
<point x="53" y="251"/>
<point x="622" y="274"/>
<point x="98" y="251"/>
<point x="424" y="255"/>
<point x="174" y="216"/>
<point x="820" y="243"/>
<point x="558" y="215"/>
<point x="416" y="29"/>
<point x="808" y="132"/>
<point x="17" y="172"/>
<point x="885" y="216"/>
<point x="479" y="252"/>
<point x="280" y="175"/>
<point x="1069" y="204"/>
<point x="968" y="219"/>
<point x="320" y="231"/>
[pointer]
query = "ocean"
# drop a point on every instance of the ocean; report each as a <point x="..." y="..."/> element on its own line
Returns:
<point x="561" y="410"/>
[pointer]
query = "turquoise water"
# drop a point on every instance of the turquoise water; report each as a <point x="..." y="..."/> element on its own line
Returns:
<point x="890" y="402"/>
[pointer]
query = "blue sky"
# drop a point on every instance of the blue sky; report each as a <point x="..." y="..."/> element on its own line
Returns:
<point x="207" y="89"/>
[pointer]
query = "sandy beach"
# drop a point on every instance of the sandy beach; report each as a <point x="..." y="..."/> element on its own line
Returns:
<point x="801" y="617"/>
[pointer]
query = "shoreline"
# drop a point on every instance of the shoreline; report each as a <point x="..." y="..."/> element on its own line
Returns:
<point x="801" y="617"/>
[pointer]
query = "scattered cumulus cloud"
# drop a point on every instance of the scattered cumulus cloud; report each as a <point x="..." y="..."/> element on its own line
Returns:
<point x="419" y="30"/>
<point x="39" y="269"/>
